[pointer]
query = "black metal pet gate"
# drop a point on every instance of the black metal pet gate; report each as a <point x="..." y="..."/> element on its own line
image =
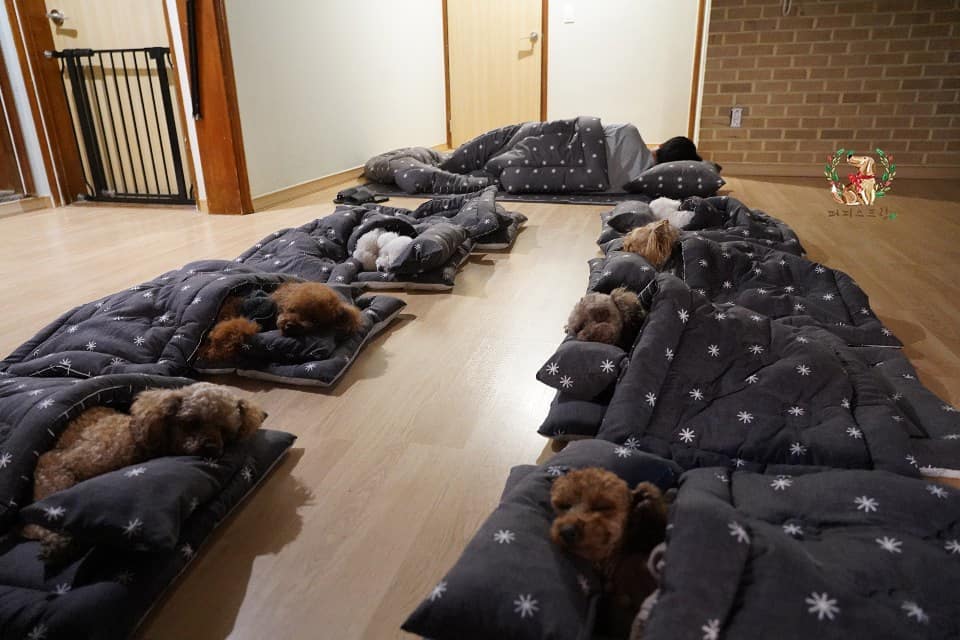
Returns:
<point x="129" y="145"/>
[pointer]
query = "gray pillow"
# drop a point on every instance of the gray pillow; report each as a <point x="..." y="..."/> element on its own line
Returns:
<point x="582" y="370"/>
<point x="431" y="249"/>
<point x="629" y="215"/>
<point x="620" y="269"/>
<point x="678" y="180"/>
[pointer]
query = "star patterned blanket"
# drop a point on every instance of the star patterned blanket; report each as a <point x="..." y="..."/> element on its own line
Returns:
<point x="140" y="526"/>
<point x="322" y="250"/>
<point x="157" y="327"/>
<point x="560" y="156"/>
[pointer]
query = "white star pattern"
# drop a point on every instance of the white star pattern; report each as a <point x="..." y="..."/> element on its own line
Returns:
<point x="822" y="605"/>
<point x="952" y="546"/>
<point x="948" y="408"/>
<point x="632" y="442"/>
<point x="132" y="527"/>
<point x="554" y="472"/>
<point x="61" y="589"/>
<point x="788" y="288"/>
<point x="5" y="459"/>
<point x="46" y="404"/>
<point x="854" y="433"/>
<point x="696" y="394"/>
<point x="72" y="328"/>
<point x="889" y="544"/>
<point x="669" y="354"/>
<point x="310" y="366"/>
<point x="53" y="513"/>
<point x="504" y="536"/>
<point x="756" y="318"/>
<point x="583" y="582"/>
<point x="796" y="411"/>
<point x="797" y="449"/>
<point x="762" y="291"/>
<point x="136" y="471"/>
<point x="39" y="632"/>
<point x="799" y="307"/>
<point x="711" y="630"/>
<point x="650" y="398"/>
<point x="116" y="361"/>
<point x="727" y="284"/>
<point x="803" y="369"/>
<point x="714" y="351"/>
<point x="186" y="551"/>
<point x="756" y="349"/>
<point x="247" y="473"/>
<point x="803" y="340"/>
<point x="525" y="605"/>
<point x="912" y="460"/>
<point x="702" y="262"/>
<point x="819" y="269"/>
<point x="684" y="315"/>
<point x="792" y="529"/>
<point x="139" y="341"/>
<point x="606" y="366"/>
<point x="745" y="417"/>
<point x="937" y="491"/>
<point x="738" y="532"/>
<point x="828" y="297"/>
<point x="438" y="591"/>
<point x="90" y="346"/>
<point x="566" y="382"/>
<point x="781" y="483"/>
<point x="866" y="504"/>
<point x="722" y="478"/>
<point x="623" y="452"/>
<point x="886" y="332"/>
<point x="753" y="379"/>
<point x="914" y="611"/>
<point x="687" y="435"/>
<point x="845" y="403"/>
<point x="739" y="462"/>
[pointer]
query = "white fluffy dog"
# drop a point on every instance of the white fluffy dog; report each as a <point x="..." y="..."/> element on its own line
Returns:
<point x="378" y="249"/>
<point x="667" y="209"/>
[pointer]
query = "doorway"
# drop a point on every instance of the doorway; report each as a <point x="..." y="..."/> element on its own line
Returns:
<point x="496" y="64"/>
<point x="16" y="181"/>
<point x="104" y="81"/>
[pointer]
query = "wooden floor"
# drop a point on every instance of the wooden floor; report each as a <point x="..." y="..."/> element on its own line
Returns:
<point x="395" y="469"/>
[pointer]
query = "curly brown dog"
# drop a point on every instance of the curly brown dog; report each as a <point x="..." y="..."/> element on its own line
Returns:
<point x="197" y="420"/>
<point x="611" y="318"/>
<point x="301" y="308"/>
<point x="653" y="241"/>
<point x="599" y="519"/>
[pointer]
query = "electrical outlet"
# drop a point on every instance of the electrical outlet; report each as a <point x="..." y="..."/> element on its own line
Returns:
<point x="736" y="117"/>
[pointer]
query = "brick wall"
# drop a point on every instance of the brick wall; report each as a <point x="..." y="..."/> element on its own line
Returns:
<point x="856" y="74"/>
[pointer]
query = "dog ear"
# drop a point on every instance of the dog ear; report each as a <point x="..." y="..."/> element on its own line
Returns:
<point x="251" y="417"/>
<point x="349" y="318"/>
<point x="627" y="303"/>
<point x="576" y="320"/>
<point x="151" y="413"/>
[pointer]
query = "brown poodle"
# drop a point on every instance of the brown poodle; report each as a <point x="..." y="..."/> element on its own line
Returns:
<point x="599" y="519"/>
<point x="653" y="241"/>
<point x="599" y="317"/>
<point x="301" y="308"/>
<point x="197" y="420"/>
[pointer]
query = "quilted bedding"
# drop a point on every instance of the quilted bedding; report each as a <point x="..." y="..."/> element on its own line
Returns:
<point x="546" y="157"/>
<point x="156" y="328"/>
<point x="321" y="250"/>
<point x="159" y="512"/>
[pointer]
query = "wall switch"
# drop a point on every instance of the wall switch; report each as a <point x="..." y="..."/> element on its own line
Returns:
<point x="736" y="117"/>
<point x="568" y="16"/>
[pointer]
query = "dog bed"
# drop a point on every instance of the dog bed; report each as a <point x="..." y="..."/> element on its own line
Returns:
<point x="322" y="250"/>
<point x="605" y="198"/>
<point x="159" y="512"/>
<point x="512" y="581"/>
<point x="836" y="554"/>
<point x="157" y="328"/>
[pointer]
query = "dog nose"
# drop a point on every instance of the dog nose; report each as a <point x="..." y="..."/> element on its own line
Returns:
<point x="569" y="533"/>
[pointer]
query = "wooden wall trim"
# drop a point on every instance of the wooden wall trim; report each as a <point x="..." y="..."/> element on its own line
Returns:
<point x="219" y="135"/>
<point x="697" y="62"/>
<point x="446" y="70"/>
<point x="544" y="29"/>
<point x="14" y="126"/>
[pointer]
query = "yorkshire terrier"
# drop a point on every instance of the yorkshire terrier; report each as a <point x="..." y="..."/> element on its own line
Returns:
<point x="297" y="308"/>
<point x="653" y="241"/>
<point x="598" y="518"/>
<point x="610" y="318"/>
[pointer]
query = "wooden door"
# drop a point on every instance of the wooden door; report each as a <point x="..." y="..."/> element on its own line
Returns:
<point x="495" y="55"/>
<point x="15" y="178"/>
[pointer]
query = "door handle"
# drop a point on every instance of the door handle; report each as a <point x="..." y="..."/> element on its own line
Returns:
<point x="56" y="16"/>
<point x="533" y="37"/>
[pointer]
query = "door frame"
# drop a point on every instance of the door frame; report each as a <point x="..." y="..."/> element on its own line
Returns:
<point x="544" y="15"/>
<point x="13" y="125"/>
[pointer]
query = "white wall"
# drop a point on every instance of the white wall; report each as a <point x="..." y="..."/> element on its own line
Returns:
<point x="322" y="86"/>
<point x="25" y="115"/>
<point x="623" y="60"/>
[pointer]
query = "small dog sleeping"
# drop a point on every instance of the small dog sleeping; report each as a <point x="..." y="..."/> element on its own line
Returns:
<point x="654" y="241"/>
<point x="196" y="420"/>
<point x="598" y="518"/>
<point x="377" y="249"/>
<point x="297" y="308"/>
<point x="611" y="318"/>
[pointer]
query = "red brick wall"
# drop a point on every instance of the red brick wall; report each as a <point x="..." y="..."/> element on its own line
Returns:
<point x="857" y="74"/>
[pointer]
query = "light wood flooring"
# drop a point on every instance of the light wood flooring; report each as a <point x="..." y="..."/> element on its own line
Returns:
<point x="397" y="466"/>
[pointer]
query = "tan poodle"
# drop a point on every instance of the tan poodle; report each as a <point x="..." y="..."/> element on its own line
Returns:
<point x="653" y="241"/>
<point x="599" y="519"/>
<point x="302" y="308"/>
<point x="599" y="317"/>
<point x="196" y="420"/>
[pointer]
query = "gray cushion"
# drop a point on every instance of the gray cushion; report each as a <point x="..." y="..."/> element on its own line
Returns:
<point x="432" y="248"/>
<point x="620" y="269"/>
<point x="582" y="369"/>
<point x="678" y="180"/>
<point x="629" y="215"/>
